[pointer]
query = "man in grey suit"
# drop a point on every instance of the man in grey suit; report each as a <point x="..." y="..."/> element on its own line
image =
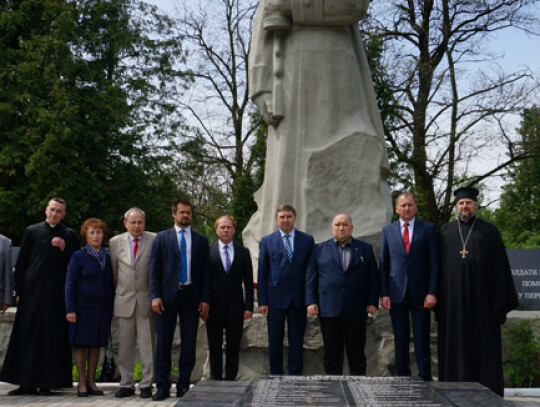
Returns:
<point x="5" y="273"/>
<point x="130" y="257"/>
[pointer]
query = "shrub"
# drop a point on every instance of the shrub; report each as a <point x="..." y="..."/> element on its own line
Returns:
<point x="523" y="352"/>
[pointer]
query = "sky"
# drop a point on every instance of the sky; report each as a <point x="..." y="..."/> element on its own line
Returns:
<point x="516" y="49"/>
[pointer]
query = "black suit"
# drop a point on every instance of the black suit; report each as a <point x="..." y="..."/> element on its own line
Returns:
<point x="164" y="276"/>
<point x="227" y="308"/>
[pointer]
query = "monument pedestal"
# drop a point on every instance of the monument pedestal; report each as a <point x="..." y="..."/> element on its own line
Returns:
<point x="339" y="391"/>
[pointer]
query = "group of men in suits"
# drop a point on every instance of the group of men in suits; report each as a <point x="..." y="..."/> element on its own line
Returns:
<point x="175" y="275"/>
<point x="339" y="281"/>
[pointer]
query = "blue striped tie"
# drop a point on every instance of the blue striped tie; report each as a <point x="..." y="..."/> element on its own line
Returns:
<point x="288" y="248"/>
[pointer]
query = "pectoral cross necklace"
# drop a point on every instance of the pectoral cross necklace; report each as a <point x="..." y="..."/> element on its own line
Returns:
<point x="465" y="252"/>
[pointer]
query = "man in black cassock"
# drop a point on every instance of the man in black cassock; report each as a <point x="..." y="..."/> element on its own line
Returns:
<point x="476" y="292"/>
<point x="38" y="357"/>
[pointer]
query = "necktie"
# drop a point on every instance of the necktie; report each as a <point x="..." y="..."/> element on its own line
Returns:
<point x="183" y="258"/>
<point x="288" y="247"/>
<point x="406" y="237"/>
<point x="227" y="258"/>
<point x="135" y="247"/>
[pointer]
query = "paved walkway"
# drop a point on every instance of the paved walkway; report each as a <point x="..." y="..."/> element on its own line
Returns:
<point x="68" y="398"/>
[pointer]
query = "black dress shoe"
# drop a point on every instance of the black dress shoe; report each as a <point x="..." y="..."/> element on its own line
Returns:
<point x="181" y="390"/>
<point x="44" y="392"/>
<point x="22" y="391"/>
<point x="124" y="392"/>
<point x="81" y="393"/>
<point x="161" y="394"/>
<point x="93" y="392"/>
<point x="146" y="392"/>
<point x="96" y="392"/>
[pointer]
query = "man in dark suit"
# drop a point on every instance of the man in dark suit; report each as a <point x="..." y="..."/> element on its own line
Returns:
<point x="230" y="265"/>
<point x="409" y="276"/>
<point x="342" y="287"/>
<point x="179" y="286"/>
<point x="283" y="260"/>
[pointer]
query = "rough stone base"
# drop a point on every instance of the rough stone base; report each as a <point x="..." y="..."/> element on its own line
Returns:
<point x="254" y="348"/>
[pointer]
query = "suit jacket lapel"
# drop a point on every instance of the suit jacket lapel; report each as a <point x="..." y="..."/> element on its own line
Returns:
<point x="234" y="260"/>
<point x="125" y="253"/>
<point x="173" y="238"/>
<point x="143" y="246"/>
<point x="296" y="245"/>
<point x="396" y="231"/>
<point x="356" y="254"/>
<point x="280" y="246"/>
<point x="416" y="233"/>
<point x="332" y="246"/>
<point x="215" y="255"/>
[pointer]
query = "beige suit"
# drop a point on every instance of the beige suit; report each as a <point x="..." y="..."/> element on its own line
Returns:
<point x="133" y="307"/>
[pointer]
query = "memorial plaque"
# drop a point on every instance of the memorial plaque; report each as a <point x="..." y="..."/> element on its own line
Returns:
<point x="525" y="266"/>
<point x="330" y="391"/>
<point x="301" y="391"/>
<point x="469" y="394"/>
<point x="394" y="391"/>
<point x="215" y="393"/>
<point x="339" y="391"/>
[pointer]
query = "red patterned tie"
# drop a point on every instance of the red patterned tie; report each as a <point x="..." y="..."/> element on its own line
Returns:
<point x="406" y="237"/>
<point x="135" y="247"/>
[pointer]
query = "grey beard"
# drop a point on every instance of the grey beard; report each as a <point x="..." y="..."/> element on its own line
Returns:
<point x="465" y="217"/>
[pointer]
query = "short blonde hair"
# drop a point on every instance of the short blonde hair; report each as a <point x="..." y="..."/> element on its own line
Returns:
<point x="225" y="217"/>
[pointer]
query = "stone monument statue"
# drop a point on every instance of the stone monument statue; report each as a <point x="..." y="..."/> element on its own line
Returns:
<point x="309" y="77"/>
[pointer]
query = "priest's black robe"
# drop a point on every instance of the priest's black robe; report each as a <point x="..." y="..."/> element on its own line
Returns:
<point x="38" y="354"/>
<point x="475" y="294"/>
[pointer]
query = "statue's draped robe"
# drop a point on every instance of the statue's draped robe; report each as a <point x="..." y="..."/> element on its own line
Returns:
<point x="327" y="155"/>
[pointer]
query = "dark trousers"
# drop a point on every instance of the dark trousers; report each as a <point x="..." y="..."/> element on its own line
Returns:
<point x="342" y="331"/>
<point x="296" y="325"/>
<point x="233" y="324"/>
<point x="186" y="310"/>
<point x="399" y="313"/>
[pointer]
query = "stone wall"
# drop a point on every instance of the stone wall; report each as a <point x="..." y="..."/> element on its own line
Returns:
<point x="254" y="351"/>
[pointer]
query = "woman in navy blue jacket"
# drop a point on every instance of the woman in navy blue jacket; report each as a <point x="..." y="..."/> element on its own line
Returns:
<point x="89" y="302"/>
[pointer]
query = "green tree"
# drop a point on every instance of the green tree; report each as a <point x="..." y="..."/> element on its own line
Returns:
<point x="450" y="99"/>
<point x="519" y="212"/>
<point x="85" y="110"/>
<point x="225" y="152"/>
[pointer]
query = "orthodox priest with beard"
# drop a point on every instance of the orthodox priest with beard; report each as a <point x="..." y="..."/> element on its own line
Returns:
<point x="476" y="292"/>
<point x="38" y="357"/>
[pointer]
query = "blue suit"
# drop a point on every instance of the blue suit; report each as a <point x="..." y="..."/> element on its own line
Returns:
<point x="281" y="286"/>
<point x="165" y="269"/>
<point x="342" y="298"/>
<point x="407" y="279"/>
